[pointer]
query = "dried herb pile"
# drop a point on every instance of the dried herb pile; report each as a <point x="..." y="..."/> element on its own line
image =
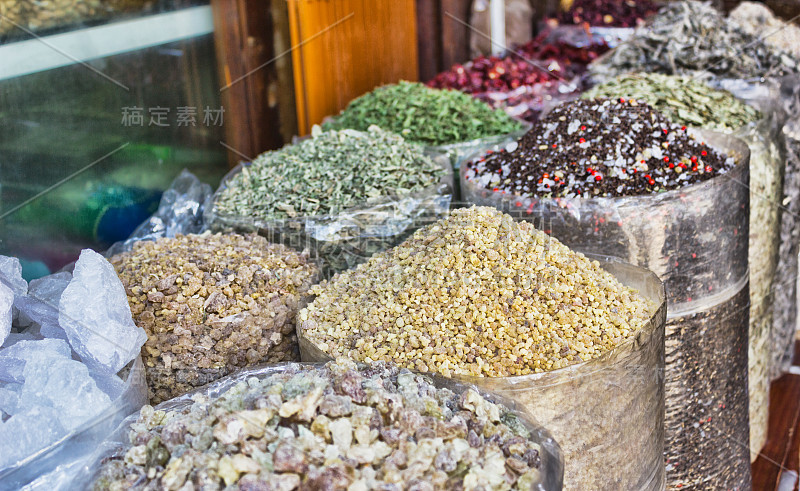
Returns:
<point x="681" y="99"/>
<point x="757" y="19"/>
<point x="474" y="294"/>
<point x="691" y="36"/>
<point x="211" y="304"/>
<point x="599" y="147"/>
<point x="336" y="427"/>
<point x="424" y="115"/>
<point x="327" y="174"/>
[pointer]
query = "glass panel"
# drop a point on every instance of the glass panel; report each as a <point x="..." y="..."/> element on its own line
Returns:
<point x="110" y="135"/>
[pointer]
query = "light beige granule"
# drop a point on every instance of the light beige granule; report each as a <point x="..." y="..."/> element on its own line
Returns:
<point x="211" y="304"/>
<point x="474" y="294"/>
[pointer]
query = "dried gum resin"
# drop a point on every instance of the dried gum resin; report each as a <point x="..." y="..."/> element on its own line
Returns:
<point x="334" y="427"/>
<point x="211" y="304"/>
<point x="475" y="294"/>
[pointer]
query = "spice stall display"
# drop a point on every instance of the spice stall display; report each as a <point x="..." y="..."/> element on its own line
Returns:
<point x="481" y="297"/>
<point x="528" y="79"/>
<point x="344" y="194"/>
<point x="211" y="304"/>
<point x="445" y="121"/>
<point x="659" y="198"/>
<point x="694" y="39"/>
<point x="334" y="426"/>
<point x="688" y="102"/>
<point x="69" y="368"/>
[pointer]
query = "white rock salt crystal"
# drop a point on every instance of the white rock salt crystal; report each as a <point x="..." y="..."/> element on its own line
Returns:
<point x="14" y="358"/>
<point x="41" y="305"/>
<point x="11" y="274"/>
<point x="6" y="315"/>
<point x="9" y="399"/>
<point x="29" y="431"/>
<point x="94" y="312"/>
<point x="64" y="385"/>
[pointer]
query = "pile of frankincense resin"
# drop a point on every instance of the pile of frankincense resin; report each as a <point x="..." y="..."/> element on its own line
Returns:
<point x="334" y="427"/>
<point x="211" y="304"/>
<point x="475" y="294"/>
<point x="599" y="147"/>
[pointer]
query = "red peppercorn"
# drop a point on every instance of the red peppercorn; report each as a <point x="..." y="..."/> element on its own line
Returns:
<point x="583" y="128"/>
<point x="665" y="131"/>
<point x="694" y="168"/>
<point x="598" y="178"/>
<point x="683" y="128"/>
<point x="546" y="175"/>
<point x="709" y="168"/>
<point x="671" y="165"/>
<point x="666" y="159"/>
<point x="582" y="140"/>
<point x="703" y="153"/>
<point x="652" y="182"/>
<point x="693" y="159"/>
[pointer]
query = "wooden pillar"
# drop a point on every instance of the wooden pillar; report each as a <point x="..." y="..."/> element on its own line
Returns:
<point x="243" y="35"/>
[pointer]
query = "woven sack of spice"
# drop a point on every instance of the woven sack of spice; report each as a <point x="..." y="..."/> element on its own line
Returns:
<point x="330" y="426"/>
<point x="350" y="195"/>
<point x="695" y="239"/>
<point x="491" y="301"/>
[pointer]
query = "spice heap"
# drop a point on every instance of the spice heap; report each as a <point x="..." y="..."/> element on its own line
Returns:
<point x="211" y="304"/>
<point x="599" y="147"/>
<point x="688" y="36"/>
<point x="523" y="82"/>
<point x="608" y="13"/>
<point x="424" y="115"/>
<point x="681" y="99"/>
<point x="757" y="19"/>
<point x="474" y="294"/>
<point x="326" y="174"/>
<point x="336" y="427"/>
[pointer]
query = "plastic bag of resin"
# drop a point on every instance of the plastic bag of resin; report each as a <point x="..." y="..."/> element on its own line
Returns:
<point x="607" y="413"/>
<point x="346" y="239"/>
<point x="696" y="240"/>
<point x="551" y="460"/>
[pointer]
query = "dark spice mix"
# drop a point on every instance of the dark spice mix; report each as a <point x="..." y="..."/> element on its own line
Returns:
<point x="599" y="147"/>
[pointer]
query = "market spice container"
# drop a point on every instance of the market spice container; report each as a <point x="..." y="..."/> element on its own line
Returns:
<point x="688" y="102"/>
<point x="687" y="226"/>
<point x="342" y="194"/>
<point x="212" y="304"/>
<point x="499" y="304"/>
<point x="337" y="426"/>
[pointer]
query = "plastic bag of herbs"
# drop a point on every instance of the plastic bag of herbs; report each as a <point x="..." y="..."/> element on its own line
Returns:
<point x="674" y="200"/>
<point x="444" y="121"/>
<point x="751" y="112"/>
<point x="343" y="195"/>
<point x="333" y="426"/>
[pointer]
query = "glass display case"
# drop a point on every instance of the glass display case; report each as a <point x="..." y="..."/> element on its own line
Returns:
<point x="102" y="104"/>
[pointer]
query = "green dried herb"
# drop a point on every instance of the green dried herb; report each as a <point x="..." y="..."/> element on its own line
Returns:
<point x="425" y="115"/>
<point x="326" y="174"/>
<point x="681" y="99"/>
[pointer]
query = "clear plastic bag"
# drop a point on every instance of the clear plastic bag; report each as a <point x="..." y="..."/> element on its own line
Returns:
<point x="349" y="238"/>
<point x="54" y="465"/>
<point x="179" y="212"/>
<point x="696" y="240"/>
<point x="552" y="462"/>
<point x="607" y="413"/>
<point x="457" y="151"/>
